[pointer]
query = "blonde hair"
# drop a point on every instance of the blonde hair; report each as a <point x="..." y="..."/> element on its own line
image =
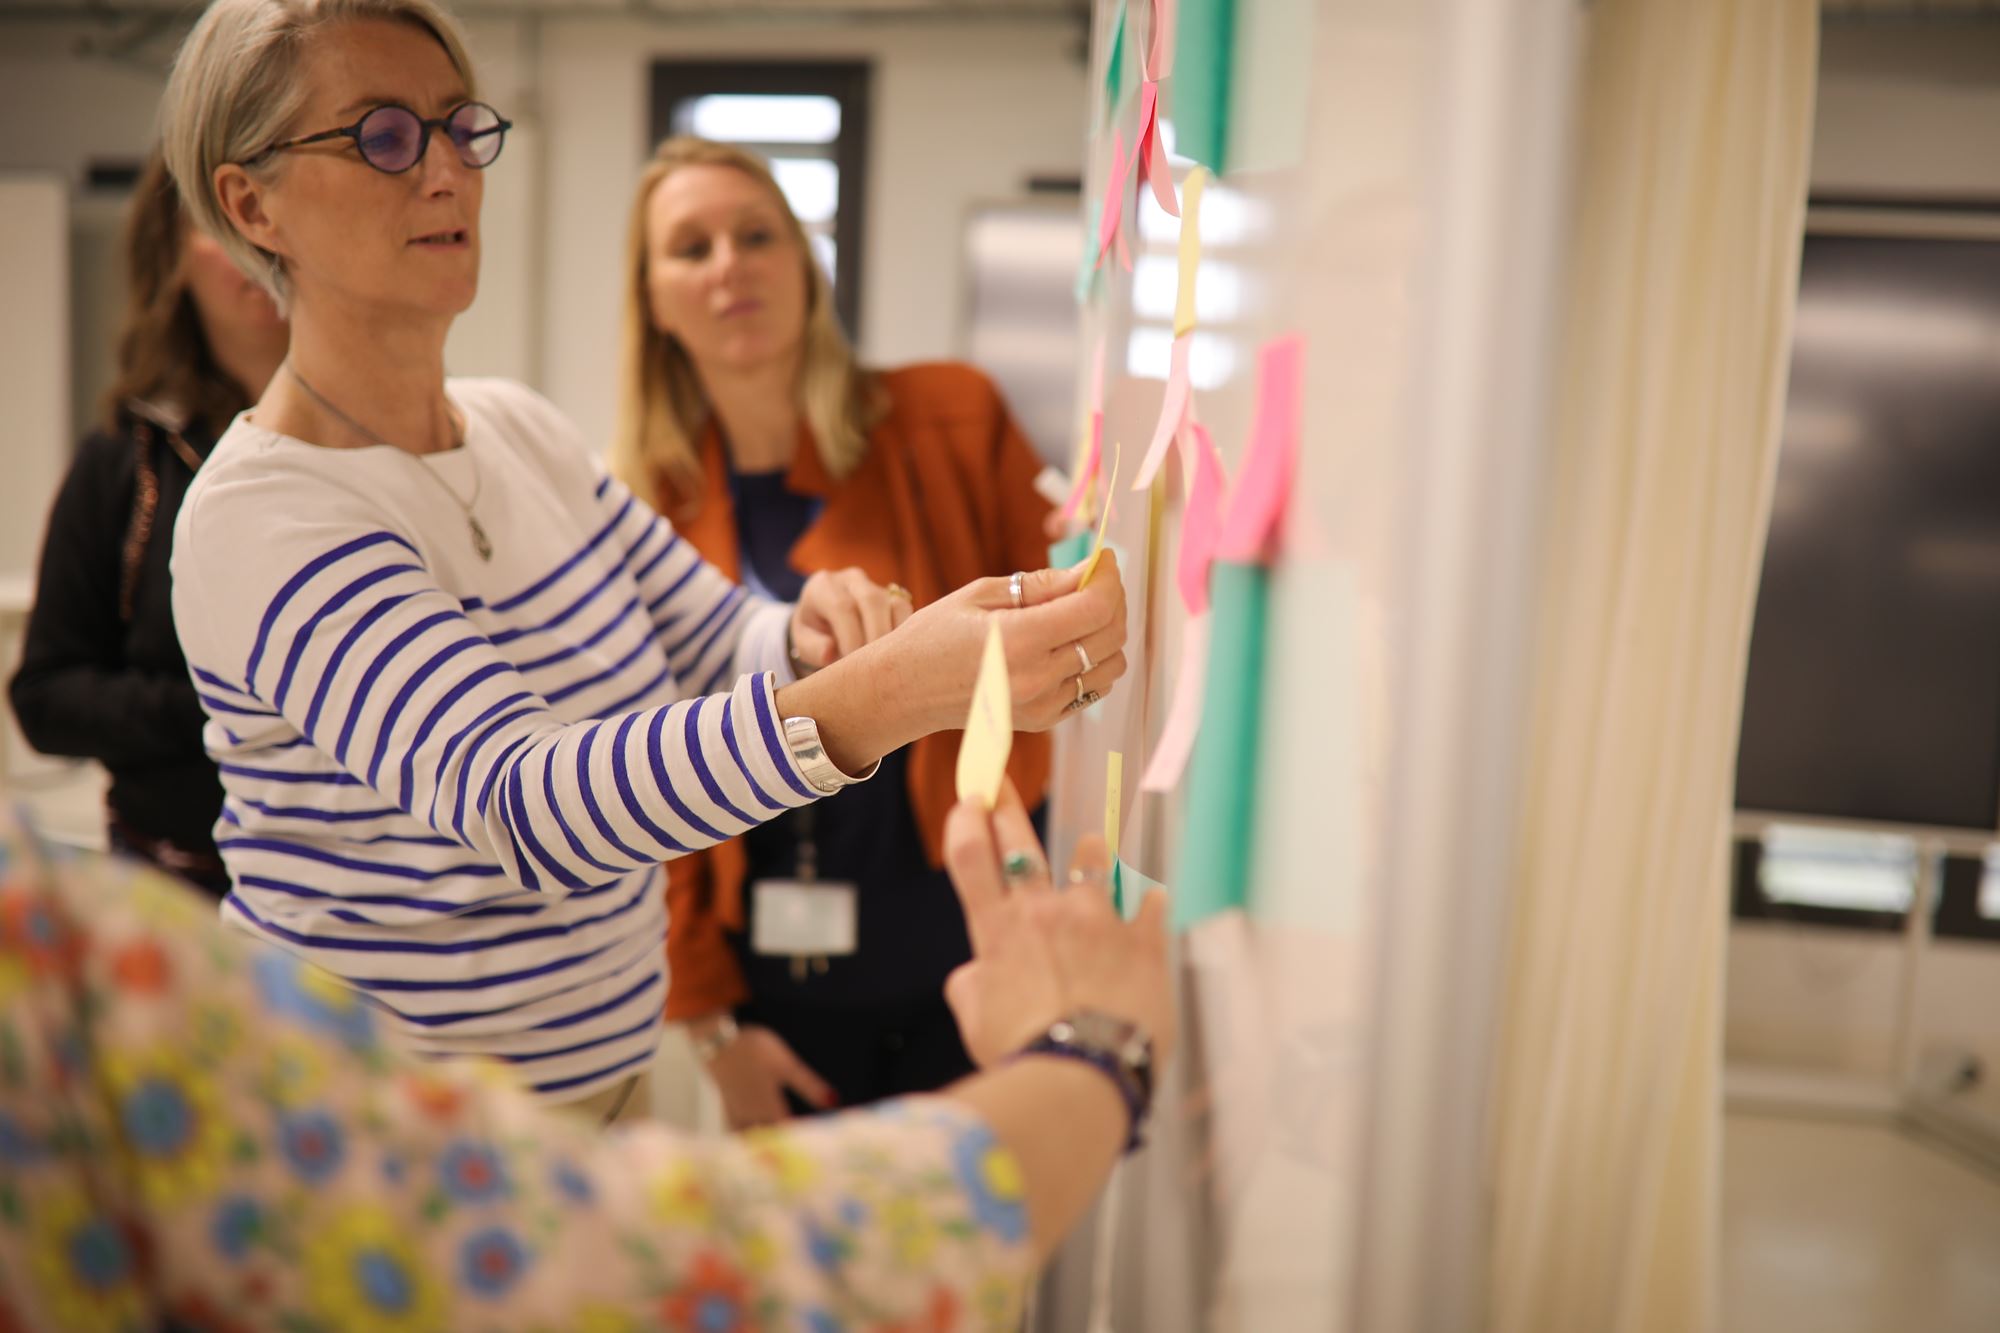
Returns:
<point x="235" y="91"/>
<point x="661" y="407"/>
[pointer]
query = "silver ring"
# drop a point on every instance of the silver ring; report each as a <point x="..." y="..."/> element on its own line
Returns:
<point x="1079" y="692"/>
<point x="1082" y="657"/>
<point x="1079" y="876"/>
<point x="1017" y="588"/>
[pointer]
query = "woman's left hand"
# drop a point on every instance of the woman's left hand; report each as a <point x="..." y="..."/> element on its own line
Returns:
<point x="1042" y="950"/>
<point x="839" y="611"/>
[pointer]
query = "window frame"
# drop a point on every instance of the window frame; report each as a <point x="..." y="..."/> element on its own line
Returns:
<point x="848" y="82"/>
<point x="1955" y="914"/>
<point x="1749" y="903"/>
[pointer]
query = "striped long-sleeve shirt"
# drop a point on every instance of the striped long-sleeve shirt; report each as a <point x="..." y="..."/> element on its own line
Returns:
<point x="450" y="780"/>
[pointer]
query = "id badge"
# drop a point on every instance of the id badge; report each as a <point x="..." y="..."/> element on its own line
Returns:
<point x="795" y="918"/>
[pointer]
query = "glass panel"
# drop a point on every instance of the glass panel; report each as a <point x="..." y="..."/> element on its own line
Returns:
<point x="1813" y="867"/>
<point x="1211" y="356"/>
<point x="1218" y="296"/>
<point x="811" y="186"/>
<point x="1228" y="218"/>
<point x="759" y="118"/>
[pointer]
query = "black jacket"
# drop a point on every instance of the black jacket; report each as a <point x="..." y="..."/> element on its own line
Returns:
<point x="102" y="676"/>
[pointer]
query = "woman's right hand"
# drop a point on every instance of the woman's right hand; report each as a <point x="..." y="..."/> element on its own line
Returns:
<point x="932" y="659"/>
<point x="1041" y="952"/>
<point x="752" y="1072"/>
<point x="918" y="679"/>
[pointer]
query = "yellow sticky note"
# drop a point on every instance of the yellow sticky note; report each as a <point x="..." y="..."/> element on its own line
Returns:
<point x="1103" y="522"/>
<point x="1190" y="250"/>
<point x="1114" y="782"/>
<point x="989" y="726"/>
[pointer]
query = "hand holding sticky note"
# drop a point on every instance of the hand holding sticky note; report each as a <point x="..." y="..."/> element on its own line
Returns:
<point x="1103" y="522"/>
<point x="989" y="726"/>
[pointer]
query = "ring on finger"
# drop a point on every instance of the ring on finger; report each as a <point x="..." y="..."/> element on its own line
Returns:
<point x="1093" y="876"/>
<point x="1082" y="658"/>
<point x="1083" y="701"/>
<point x="1017" y="588"/>
<point x="899" y="593"/>
<point x="1019" y="867"/>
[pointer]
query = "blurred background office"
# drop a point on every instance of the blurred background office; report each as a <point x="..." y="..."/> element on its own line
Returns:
<point x="934" y="149"/>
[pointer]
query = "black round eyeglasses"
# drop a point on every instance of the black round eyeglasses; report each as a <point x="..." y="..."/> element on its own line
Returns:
<point x="394" y="138"/>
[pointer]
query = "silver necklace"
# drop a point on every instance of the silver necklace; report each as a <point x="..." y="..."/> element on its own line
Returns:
<point x="481" y="544"/>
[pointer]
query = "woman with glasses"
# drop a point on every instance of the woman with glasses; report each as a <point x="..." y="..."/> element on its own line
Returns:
<point x="102" y="676"/>
<point x="746" y="420"/>
<point x="466" y="693"/>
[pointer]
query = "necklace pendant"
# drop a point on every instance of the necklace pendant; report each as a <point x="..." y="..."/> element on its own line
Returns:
<point x="480" y="542"/>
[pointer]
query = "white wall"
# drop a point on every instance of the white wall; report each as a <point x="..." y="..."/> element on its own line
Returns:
<point x="1909" y="109"/>
<point x="961" y="112"/>
<point x="34" y="364"/>
<point x="1826" y="1000"/>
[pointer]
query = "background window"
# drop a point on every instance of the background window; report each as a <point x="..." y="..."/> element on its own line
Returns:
<point x="1826" y="876"/>
<point x="810" y="122"/>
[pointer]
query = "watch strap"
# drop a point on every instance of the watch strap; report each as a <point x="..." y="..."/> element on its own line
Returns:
<point x="1133" y="1081"/>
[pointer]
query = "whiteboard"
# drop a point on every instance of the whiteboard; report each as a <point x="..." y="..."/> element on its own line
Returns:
<point x="1393" y="186"/>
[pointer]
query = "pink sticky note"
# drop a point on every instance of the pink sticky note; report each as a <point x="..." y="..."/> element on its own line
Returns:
<point x="1173" y="415"/>
<point x="1094" y="450"/>
<point x="1150" y="154"/>
<point x="1111" y="215"/>
<point x="1103" y="524"/>
<point x="1263" y="483"/>
<point x="1088" y="472"/>
<point x="1176" y="743"/>
<point x="1160" y="46"/>
<point x="1201" y="517"/>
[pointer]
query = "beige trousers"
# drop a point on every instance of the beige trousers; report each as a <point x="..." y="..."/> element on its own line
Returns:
<point x="630" y="1098"/>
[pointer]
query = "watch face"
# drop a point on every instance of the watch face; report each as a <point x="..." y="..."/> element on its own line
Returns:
<point x="1122" y="1039"/>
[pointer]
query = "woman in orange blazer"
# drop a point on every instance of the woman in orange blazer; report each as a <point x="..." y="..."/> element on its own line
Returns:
<point x="807" y="960"/>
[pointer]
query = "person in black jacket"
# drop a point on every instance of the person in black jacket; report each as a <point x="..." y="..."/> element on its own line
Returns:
<point x="102" y="676"/>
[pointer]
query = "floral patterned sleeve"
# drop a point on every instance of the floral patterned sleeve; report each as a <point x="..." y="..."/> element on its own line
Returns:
<point x="196" y="1128"/>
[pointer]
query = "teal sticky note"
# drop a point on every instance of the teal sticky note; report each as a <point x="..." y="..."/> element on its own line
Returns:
<point x="1070" y="550"/>
<point x="1204" y="46"/>
<point x="1271" y="55"/>
<point x="1114" y="68"/>
<point x="1132" y="887"/>
<point x="1089" y="277"/>
<point x="1214" y="868"/>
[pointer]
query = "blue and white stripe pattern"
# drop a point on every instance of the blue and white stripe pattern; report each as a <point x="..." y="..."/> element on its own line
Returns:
<point x="452" y="783"/>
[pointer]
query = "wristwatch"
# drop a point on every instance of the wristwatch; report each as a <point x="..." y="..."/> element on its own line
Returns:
<point x="1118" y="1049"/>
<point x="800" y="668"/>
<point x="802" y="735"/>
<point x="710" y="1044"/>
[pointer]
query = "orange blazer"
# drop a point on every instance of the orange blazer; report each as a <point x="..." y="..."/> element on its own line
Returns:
<point x="944" y="495"/>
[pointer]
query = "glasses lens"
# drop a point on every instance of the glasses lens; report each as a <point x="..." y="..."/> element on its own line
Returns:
<point x="392" y="138"/>
<point x="476" y="131"/>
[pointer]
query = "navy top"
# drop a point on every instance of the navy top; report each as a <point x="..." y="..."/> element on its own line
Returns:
<point x="910" y="930"/>
<point x="102" y="675"/>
